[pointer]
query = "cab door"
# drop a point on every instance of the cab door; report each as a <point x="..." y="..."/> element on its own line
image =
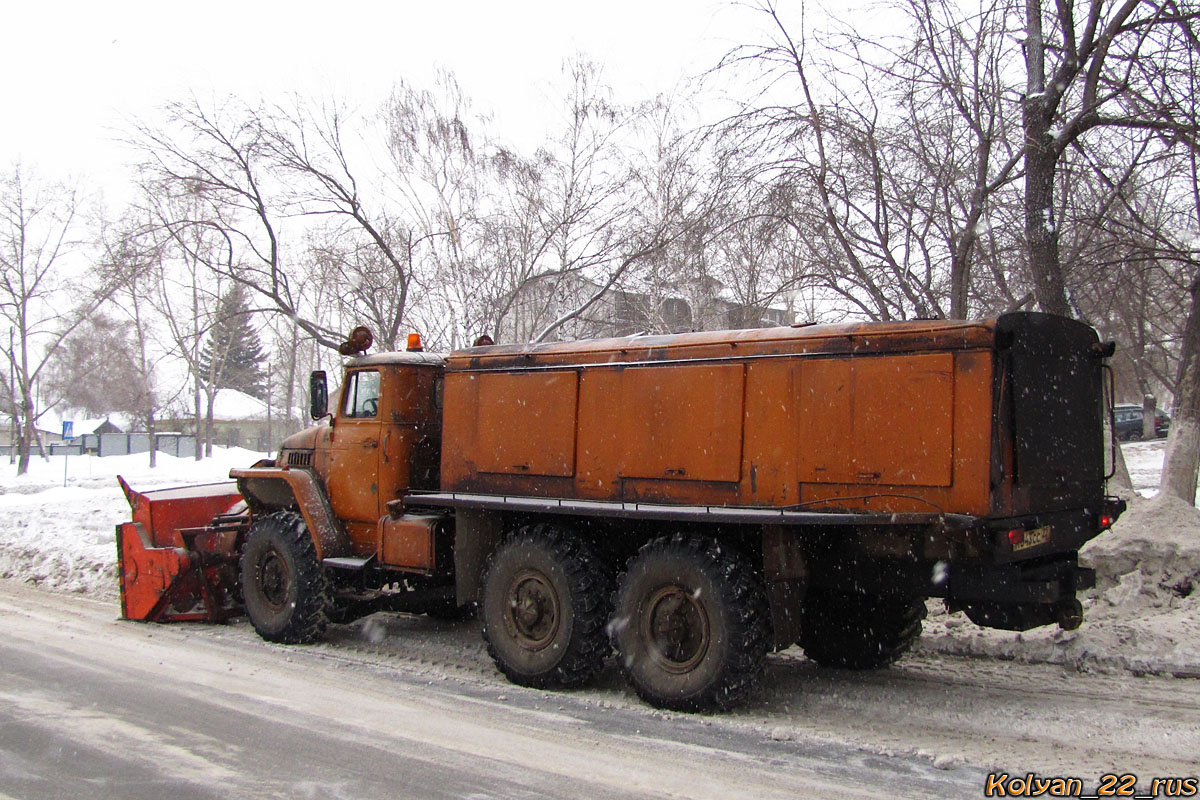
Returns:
<point x="384" y="440"/>
<point x="355" y="444"/>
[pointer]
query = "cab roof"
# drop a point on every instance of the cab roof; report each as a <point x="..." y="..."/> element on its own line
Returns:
<point x="399" y="357"/>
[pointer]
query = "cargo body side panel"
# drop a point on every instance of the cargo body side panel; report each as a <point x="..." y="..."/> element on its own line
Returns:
<point x="903" y="433"/>
<point x="874" y="431"/>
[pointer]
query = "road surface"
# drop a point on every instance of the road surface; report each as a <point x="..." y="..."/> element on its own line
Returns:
<point x="403" y="706"/>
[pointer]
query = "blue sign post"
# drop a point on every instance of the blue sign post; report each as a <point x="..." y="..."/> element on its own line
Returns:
<point x="68" y="435"/>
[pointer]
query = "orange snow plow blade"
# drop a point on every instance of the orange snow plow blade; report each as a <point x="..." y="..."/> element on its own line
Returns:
<point x="178" y="556"/>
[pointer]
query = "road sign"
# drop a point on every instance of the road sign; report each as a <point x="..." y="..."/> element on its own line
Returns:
<point x="68" y="429"/>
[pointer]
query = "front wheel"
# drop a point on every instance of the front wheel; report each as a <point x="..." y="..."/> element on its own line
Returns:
<point x="691" y="624"/>
<point x="546" y="600"/>
<point x="286" y="594"/>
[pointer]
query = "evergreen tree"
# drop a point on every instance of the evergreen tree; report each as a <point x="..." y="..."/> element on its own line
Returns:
<point x="232" y="357"/>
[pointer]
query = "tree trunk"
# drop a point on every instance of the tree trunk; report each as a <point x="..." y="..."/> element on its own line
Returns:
<point x="153" y="441"/>
<point x="196" y="422"/>
<point x="1041" y="232"/>
<point x="1183" y="443"/>
<point x="209" y="427"/>
<point x="270" y="447"/>
<point x="1041" y="160"/>
<point x="28" y="428"/>
<point x="959" y="273"/>
<point x="24" y="443"/>
<point x="1149" y="417"/>
<point x="290" y="395"/>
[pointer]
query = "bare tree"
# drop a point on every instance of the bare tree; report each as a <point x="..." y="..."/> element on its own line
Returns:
<point x="1182" y="464"/>
<point x="184" y="291"/>
<point x="39" y="236"/>
<point x="588" y="214"/>
<point x="1101" y="70"/>
<point x="366" y="245"/>
<point x="220" y="159"/>
<point x="888" y="161"/>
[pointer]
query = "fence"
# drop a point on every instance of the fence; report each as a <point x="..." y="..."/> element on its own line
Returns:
<point x="123" y="444"/>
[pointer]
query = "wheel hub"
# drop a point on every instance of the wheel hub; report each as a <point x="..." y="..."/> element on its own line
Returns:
<point x="533" y="614"/>
<point x="274" y="580"/>
<point x="676" y="628"/>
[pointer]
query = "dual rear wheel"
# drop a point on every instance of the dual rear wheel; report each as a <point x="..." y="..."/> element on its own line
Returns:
<point x="688" y="620"/>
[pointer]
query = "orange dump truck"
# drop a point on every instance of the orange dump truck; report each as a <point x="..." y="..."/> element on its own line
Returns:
<point x="693" y="501"/>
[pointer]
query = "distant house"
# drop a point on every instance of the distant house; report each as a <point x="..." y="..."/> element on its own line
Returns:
<point x="87" y="432"/>
<point x="95" y="426"/>
<point x="8" y="437"/>
<point x="239" y="420"/>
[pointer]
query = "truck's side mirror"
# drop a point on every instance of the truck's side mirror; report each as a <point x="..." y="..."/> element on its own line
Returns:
<point x="318" y="394"/>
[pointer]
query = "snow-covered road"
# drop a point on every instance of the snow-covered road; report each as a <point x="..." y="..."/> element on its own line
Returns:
<point x="402" y="705"/>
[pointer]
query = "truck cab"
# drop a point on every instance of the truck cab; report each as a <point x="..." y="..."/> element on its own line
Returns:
<point x="332" y="500"/>
<point x="380" y="439"/>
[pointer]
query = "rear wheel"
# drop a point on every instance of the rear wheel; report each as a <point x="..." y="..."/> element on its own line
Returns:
<point x="1135" y="435"/>
<point x="690" y="624"/>
<point x="546" y="600"/>
<point x="858" y="631"/>
<point x="286" y="594"/>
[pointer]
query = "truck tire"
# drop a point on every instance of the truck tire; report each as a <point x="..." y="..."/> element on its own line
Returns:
<point x="286" y="594"/>
<point x="545" y="604"/>
<point x="858" y="631"/>
<point x="691" y="624"/>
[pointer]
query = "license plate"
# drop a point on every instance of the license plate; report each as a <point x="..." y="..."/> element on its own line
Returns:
<point x="1033" y="538"/>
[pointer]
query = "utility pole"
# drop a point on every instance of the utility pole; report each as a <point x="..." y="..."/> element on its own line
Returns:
<point x="270" y="433"/>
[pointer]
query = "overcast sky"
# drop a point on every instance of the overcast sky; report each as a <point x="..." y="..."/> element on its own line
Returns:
<point x="74" y="71"/>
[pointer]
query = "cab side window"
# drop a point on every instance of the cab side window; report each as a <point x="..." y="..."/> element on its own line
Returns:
<point x="361" y="396"/>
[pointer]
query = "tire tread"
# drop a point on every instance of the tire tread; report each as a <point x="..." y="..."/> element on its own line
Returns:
<point x="749" y="625"/>
<point x="311" y="615"/>
<point x="590" y="579"/>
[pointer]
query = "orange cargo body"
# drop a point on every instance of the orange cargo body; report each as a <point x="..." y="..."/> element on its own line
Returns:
<point x="876" y="418"/>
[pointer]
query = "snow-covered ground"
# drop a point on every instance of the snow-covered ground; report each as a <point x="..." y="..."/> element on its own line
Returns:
<point x="63" y="537"/>
<point x="1143" y="616"/>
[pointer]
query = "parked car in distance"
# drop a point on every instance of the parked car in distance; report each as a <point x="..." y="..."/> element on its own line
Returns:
<point x="1128" y="422"/>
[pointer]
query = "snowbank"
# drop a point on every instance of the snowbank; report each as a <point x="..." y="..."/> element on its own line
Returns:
<point x="63" y="537"/>
<point x="1143" y="615"/>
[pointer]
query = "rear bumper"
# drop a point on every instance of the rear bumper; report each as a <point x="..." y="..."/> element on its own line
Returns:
<point x="1040" y="582"/>
<point x="1058" y="533"/>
